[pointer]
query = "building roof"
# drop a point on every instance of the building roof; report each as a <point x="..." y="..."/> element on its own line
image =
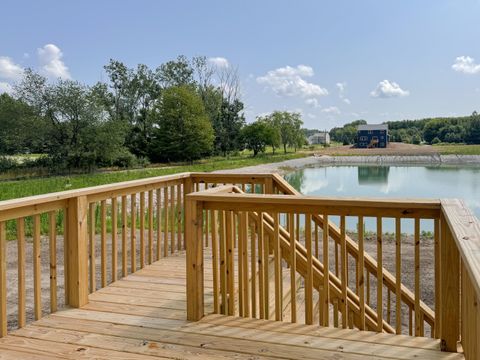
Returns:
<point x="372" y="127"/>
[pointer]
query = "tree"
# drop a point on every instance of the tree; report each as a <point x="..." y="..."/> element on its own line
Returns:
<point x="473" y="133"/>
<point x="175" y="73"/>
<point x="79" y="134"/>
<point x="183" y="130"/>
<point x="21" y="131"/>
<point x="256" y="136"/>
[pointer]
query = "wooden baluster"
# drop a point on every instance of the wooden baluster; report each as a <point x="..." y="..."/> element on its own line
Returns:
<point x="66" y="275"/>
<point x="337" y="263"/>
<point x="326" y="275"/>
<point x="335" y="312"/>
<point x="436" y="329"/>
<point x="388" y="305"/>
<point x="159" y="222"/>
<point x="410" y="321"/>
<point x="133" y="233"/>
<point x="261" y="281"/>
<point x="361" y="272"/>
<point x="253" y="266"/>
<point x="172" y="214"/>
<point x="379" y="276"/>
<point x="52" y="242"/>
<point x="3" y="279"/>
<point x="309" y="275"/>
<point x="142" y="230"/>
<point x="21" y="270"/>
<point x="367" y="278"/>
<point x="114" y="237"/>
<point x="124" y="236"/>
<point x="315" y="226"/>
<point x="92" y="241"/>
<point x="417" y="278"/>
<point x="150" y="226"/>
<point x="214" y="227"/>
<point x="266" y="275"/>
<point x="278" y="268"/>
<point x="244" y="240"/>
<point x="398" y="275"/>
<point x="206" y="229"/>
<point x="103" y="241"/>
<point x="165" y="221"/>
<point x="449" y="289"/>
<point x="179" y="217"/>
<point x="240" y="255"/>
<point x="230" y="265"/>
<point x="293" y="269"/>
<point x="223" y="267"/>
<point x="37" y="271"/>
<point x="343" y="254"/>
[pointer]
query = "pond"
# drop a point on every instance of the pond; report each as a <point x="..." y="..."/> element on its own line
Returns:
<point x="391" y="181"/>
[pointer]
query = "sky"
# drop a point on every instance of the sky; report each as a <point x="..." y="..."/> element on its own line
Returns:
<point x="332" y="61"/>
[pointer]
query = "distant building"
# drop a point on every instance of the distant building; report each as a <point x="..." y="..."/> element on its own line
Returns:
<point x="322" y="137"/>
<point x="372" y="136"/>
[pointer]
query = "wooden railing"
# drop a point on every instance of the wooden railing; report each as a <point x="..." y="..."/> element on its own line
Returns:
<point x="94" y="237"/>
<point x="271" y="248"/>
<point x="250" y="231"/>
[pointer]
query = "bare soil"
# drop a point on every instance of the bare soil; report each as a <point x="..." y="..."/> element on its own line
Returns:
<point x="396" y="149"/>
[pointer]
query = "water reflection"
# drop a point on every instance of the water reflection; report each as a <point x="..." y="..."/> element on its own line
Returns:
<point x="435" y="182"/>
<point x="373" y="175"/>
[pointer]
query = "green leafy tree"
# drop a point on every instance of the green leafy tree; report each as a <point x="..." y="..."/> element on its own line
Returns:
<point x="21" y="131"/>
<point x="79" y="135"/>
<point x="183" y="130"/>
<point x="175" y="73"/>
<point x="256" y="136"/>
<point x="473" y="133"/>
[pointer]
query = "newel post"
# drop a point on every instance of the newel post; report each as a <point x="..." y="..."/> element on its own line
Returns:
<point x="449" y="316"/>
<point x="193" y="236"/>
<point x="77" y="251"/>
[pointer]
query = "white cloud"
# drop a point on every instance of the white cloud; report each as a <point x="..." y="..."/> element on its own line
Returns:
<point x="466" y="65"/>
<point x="9" y="70"/>
<point x="388" y="89"/>
<point x="312" y="102"/>
<point x="220" y="62"/>
<point x="331" y="110"/>
<point x="5" y="88"/>
<point x="341" y="92"/>
<point x="289" y="81"/>
<point x="51" y="63"/>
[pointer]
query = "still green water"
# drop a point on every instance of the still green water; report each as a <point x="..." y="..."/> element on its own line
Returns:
<point x="391" y="181"/>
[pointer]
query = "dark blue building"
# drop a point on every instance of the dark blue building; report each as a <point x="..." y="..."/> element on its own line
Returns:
<point x="372" y="136"/>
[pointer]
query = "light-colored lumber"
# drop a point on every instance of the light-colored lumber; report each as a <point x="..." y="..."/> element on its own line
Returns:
<point x="52" y="244"/>
<point x="379" y="275"/>
<point x="361" y="273"/>
<point x="114" y="238"/>
<point x="21" y="271"/>
<point x="92" y="241"/>
<point x="3" y="279"/>
<point x="142" y="229"/>
<point x="325" y="296"/>
<point x="103" y="242"/>
<point x="37" y="271"/>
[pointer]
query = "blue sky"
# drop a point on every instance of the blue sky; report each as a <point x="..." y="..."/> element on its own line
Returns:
<point x="334" y="61"/>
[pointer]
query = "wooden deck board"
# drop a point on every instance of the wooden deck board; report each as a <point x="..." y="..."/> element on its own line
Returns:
<point x="144" y="317"/>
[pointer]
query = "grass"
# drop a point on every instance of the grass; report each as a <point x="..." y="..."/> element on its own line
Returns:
<point x="21" y="188"/>
<point x="457" y="149"/>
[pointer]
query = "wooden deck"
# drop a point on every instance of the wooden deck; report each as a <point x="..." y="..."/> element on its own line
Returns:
<point x="143" y="316"/>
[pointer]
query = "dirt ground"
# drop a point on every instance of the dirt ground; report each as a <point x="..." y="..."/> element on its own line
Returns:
<point x="393" y="148"/>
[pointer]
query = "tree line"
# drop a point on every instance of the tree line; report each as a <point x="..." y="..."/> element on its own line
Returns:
<point x="183" y="110"/>
<point x="465" y="129"/>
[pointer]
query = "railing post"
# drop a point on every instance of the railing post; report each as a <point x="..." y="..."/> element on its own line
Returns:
<point x="449" y="289"/>
<point x="77" y="251"/>
<point x="193" y="236"/>
<point x="269" y="185"/>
